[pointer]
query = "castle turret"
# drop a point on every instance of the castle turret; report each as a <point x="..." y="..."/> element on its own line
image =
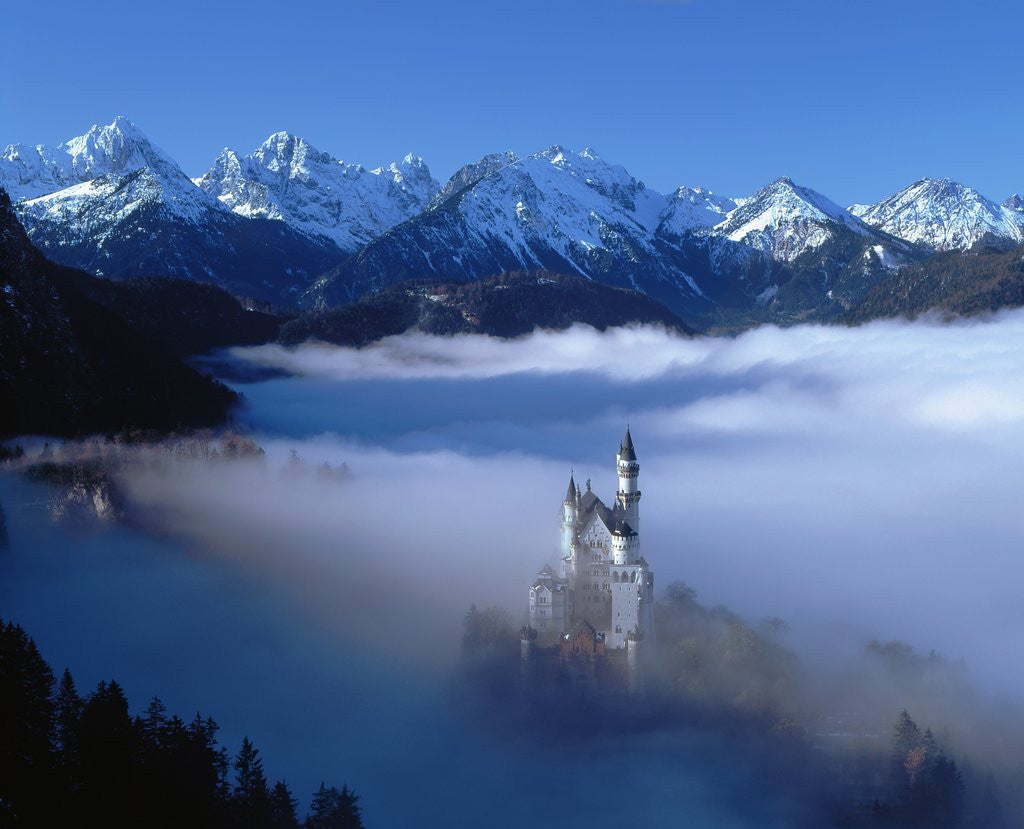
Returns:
<point x="628" y="496"/>
<point x="570" y="527"/>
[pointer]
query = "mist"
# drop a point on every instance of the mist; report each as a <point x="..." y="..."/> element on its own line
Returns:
<point x="858" y="483"/>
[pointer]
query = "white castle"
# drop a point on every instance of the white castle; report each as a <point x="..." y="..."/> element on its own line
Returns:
<point x="604" y="591"/>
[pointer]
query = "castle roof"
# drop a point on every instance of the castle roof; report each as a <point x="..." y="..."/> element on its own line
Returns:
<point x="622" y="528"/>
<point x="573" y="493"/>
<point x="626" y="451"/>
<point x="594" y="509"/>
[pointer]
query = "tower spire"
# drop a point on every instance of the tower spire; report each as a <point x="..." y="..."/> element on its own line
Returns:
<point x="570" y="495"/>
<point x="626" y="451"/>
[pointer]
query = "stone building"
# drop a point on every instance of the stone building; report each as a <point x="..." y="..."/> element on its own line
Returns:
<point x="588" y="621"/>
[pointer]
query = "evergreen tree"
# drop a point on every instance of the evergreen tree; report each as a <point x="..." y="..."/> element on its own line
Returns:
<point x="68" y="708"/>
<point x="109" y="759"/>
<point x="250" y="798"/>
<point x="905" y="735"/>
<point x="26" y="729"/>
<point x="332" y="809"/>
<point x="283" y="807"/>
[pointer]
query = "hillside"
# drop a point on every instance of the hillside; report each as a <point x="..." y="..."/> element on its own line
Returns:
<point x="69" y="364"/>
<point x="956" y="283"/>
<point x="503" y="306"/>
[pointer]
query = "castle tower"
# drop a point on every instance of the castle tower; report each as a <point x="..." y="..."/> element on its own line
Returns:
<point x="570" y="527"/>
<point x="628" y="496"/>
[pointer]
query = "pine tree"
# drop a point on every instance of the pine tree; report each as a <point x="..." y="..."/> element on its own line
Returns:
<point x="26" y="728"/>
<point x="250" y="797"/>
<point x="905" y="735"/>
<point x="68" y="708"/>
<point x="109" y="758"/>
<point x="332" y="809"/>
<point x="154" y="721"/>
<point x="283" y="807"/>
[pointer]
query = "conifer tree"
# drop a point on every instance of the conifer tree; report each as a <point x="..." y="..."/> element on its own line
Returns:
<point x="68" y="707"/>
<point x="109" y="758"/>
<point x="251" y="797"/>
<point x="26" y="728"/>
<point x="332" y="809"/>
<point x="283" y="807"/>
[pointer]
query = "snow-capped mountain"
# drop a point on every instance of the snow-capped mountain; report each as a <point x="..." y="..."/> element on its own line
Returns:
<point x="288" y="179"/>
<point x="790" y="252"/>
<point x="271" y="223"/>
<point x="555" y="210"/>
<point x="119" y="147"/>
<point x="785" y="220"/>
<point x="470" y="174"/>
<point x="944" y="215"/>
<point x="131" y="211"/>
<point x="689" y="208"/>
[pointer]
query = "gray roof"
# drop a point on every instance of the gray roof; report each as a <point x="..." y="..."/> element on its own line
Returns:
<point x="572" y="493"/>
<point x="626" y="451"/>
<point x="622" y="528"/>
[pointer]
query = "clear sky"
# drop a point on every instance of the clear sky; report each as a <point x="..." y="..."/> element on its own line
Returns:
<point x="855" y="99"/>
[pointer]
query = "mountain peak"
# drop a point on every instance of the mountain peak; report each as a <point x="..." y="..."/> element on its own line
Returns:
<point x="943" y="214"/>
<point x="117" y="148"/>
<point x="288" y="179"/>
<point x="785" y="219"/>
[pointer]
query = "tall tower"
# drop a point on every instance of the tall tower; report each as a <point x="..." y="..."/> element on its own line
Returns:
<point x="570" y="527"/>
<point x="628" y="496"/>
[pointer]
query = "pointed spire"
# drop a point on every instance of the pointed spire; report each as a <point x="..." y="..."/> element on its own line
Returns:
<point x="626" y="451"/>
<point x="570" y="495"/>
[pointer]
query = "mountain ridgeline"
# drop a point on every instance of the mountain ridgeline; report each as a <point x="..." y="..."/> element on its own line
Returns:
<point x="508" y="305"/>
<point x="290" y="225"/>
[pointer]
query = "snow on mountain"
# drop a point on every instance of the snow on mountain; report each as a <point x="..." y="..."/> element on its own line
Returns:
<point x="693" y="207"/>
<point x="118" y="148"/>
<point x="574" y="203"/>
<point x="556" y="210"/>
<point x="127" y="210"/>
<point x="944" y="215"/>
<point x="288" y="179"/>
<point x="784" y="220"/>
<point x="97" y="208"/>
<point x="470" y="174"/>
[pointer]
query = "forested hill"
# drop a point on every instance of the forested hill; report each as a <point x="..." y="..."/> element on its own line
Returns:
<point x="960" y="283"/>
<point x="73" y="760"/>
<point x="80" y="354"/>
<point x="508" y="305"/>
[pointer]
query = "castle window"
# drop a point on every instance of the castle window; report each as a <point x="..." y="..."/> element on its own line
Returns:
<point x="615" y="577"/>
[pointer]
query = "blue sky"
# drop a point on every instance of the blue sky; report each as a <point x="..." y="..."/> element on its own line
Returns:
<point x="855" y="99"/>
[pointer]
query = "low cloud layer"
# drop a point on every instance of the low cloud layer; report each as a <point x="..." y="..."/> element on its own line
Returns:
<point x="838" y="477"/>
<point x="859" y="483"/>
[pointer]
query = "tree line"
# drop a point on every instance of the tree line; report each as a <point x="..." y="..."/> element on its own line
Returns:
<point x="73" y="760"/>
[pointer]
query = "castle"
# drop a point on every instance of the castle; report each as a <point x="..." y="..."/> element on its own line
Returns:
<point x="588" y="622"/>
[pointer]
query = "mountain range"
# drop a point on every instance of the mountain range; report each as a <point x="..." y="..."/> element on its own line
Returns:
<point x="292" y="225"/>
